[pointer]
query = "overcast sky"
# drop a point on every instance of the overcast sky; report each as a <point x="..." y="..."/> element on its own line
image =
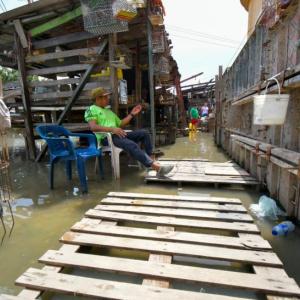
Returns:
<point x="205" y="33"/>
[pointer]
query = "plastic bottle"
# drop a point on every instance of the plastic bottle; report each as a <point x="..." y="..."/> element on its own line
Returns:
<point x="283" y="228"/>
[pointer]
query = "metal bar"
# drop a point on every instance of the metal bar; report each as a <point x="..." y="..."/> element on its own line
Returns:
<point x="77" y="92"/>
<point x="184" y="80"/>
<point x="151" y="77"/>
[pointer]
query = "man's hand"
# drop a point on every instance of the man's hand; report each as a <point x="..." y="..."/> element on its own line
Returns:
<point x="136" y="110"/>
<point x="119" y="132"/>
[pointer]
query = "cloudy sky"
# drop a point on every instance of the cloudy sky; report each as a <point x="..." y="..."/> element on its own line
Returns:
<point x="205" y="33"/>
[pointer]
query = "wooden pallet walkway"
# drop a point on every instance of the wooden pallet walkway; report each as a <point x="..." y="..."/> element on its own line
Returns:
<point x="198" y="171"/>
<point x="121" y="223"/>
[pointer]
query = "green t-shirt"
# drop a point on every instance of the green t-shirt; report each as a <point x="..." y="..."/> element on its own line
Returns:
<point x="194" y="113"/>
<point x="103" y="117"/>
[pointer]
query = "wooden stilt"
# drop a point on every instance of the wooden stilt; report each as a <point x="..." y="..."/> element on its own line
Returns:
<point x="25" y="98"/>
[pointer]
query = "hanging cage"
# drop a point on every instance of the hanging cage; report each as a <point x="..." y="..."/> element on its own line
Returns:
<point x="99" y="19"/>
<point x="158" y="41"/>
<point x="123" y="11"/>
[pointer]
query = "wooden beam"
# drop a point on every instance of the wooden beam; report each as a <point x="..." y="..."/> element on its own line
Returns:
<point x="263" y="258"/>
<point x="20" y="31"/>
<point x="57" y="70"/>
<point x="105" y="289"/>
<point x="56" y="22"/>
<point x="77" y="92"/>
<point x="166" y="271"/>
<point x="113" y="73"/>
<point x="184" y="222"/>
<point x="61" y="54"/>
<point x="25" y="99"/>
<point x="63" y="40"/>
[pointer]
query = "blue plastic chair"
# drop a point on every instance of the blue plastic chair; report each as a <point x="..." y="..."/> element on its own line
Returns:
<point x="61" y="148"/>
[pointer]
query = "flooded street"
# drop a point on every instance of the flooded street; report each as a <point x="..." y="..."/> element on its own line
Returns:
<point x="42" y="216"/>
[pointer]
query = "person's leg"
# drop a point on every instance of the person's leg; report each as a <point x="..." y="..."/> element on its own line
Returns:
<point x="141" y="135"/>
<point x="133" y="149"/>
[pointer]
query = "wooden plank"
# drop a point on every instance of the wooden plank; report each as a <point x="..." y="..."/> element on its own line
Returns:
<point x="180" y="177"/>
<point x="178" y="212"/>
<point x="269" y="271"/>
<point x="68" y="249"/>
<point x="217" y="253"/>
<point x="20" y="31"/>
<point x="176" y="204"/>
<point x="67" y="17"/>
<point x="62" y="54"/>
<point x="167" y="271"/>
<point x="175" y="197"/>
<point x="226" y="171"/>
<point x="278" y="273"/>
<point x="98" y="288"/>
<point x="58" y="70"/>
<point x="54" y="82"/>
<point x="11" y="297"/>
<point x="173" y="221"/>
<point x="63" y="39"/>
<point x="166" y="259"/>
<point x="258" y="243"/>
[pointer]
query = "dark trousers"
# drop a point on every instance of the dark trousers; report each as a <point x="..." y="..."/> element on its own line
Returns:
<point x="129" y="145"/>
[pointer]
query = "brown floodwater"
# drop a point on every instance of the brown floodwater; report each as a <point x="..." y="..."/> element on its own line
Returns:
<point x="42" y="216"/>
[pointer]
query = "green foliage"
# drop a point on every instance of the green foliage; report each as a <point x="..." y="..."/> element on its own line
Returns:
<point x="8" y="74"/>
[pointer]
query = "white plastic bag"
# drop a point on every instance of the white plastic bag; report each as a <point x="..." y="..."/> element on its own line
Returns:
<point x="266" y="207"/>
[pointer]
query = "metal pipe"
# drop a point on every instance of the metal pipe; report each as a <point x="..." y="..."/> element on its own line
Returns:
<point x="150" y="76"/>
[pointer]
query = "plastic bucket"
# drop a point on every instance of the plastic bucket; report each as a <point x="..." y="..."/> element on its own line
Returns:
<point x="270" y="109"/>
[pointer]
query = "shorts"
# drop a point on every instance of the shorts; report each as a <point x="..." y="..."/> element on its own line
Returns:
<point x="194" y="121"/>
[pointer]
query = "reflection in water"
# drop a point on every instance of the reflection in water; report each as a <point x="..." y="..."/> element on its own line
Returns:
<point x="44" y="215"/>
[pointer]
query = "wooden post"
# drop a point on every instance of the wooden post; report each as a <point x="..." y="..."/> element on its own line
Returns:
<point x="220" y="96"/>
<point x="138" y="81"/>
<point x="25" y="99"/>
<point x="151" y="78"/>
<point x="112" y="41"/>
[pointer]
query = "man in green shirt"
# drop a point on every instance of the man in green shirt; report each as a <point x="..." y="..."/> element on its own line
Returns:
<point x="102" y="119"/>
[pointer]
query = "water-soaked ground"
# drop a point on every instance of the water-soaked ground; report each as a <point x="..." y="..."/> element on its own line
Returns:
<point x="42" y="216"/>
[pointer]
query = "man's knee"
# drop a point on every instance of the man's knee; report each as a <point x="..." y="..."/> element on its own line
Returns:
<point x="144" y="132"/>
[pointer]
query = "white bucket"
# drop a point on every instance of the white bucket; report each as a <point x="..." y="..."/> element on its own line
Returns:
<point x="270" y="109"/>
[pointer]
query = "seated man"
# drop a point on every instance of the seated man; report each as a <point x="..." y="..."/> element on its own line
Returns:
<point x="102" y="119"/>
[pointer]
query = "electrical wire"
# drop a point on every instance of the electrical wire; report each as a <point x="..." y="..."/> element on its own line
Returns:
<point x="202" y="34"/>
<point x="2" y="8"/>
<point x="204" y="41"/>
<point x="3" y="5"/>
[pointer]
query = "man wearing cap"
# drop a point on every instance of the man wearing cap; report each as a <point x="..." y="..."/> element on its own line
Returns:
<point x="102" y="119"/>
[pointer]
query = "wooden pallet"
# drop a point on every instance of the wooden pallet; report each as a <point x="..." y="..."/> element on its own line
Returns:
<point x="199" y="171"/>
<point x="169" y="239"/>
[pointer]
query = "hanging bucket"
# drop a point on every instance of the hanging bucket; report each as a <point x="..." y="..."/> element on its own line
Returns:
<point x="270" y="109"/>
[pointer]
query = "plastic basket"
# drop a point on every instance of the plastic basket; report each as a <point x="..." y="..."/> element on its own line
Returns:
<point x="270" y="109"/>
<point x="98" y="17"/>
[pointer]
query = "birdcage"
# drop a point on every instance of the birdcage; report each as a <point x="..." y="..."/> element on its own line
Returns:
<point x="98" y="17"/>
<point x="158" y="41"/>
<point x="161" y="65"/>
<point x="123" y="11"/>
<point x="137" y="3"/>
<point x="123" y="57"/>
<point x="270" y="13"/>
